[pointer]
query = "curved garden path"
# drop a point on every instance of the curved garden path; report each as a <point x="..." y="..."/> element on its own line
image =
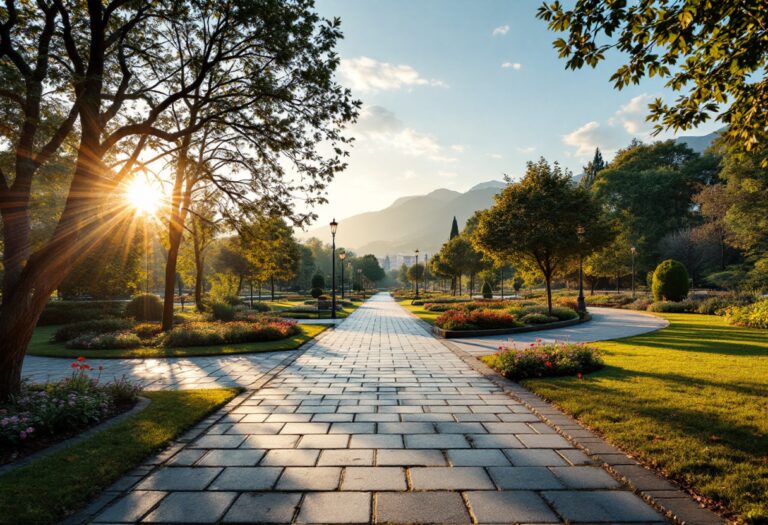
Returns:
<point x="606" y="323"/>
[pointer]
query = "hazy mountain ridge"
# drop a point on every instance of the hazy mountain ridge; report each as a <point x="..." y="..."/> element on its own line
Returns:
<point x="417" y="221"/>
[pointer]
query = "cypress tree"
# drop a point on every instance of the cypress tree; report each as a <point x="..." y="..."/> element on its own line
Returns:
<point x="454" y="228"/>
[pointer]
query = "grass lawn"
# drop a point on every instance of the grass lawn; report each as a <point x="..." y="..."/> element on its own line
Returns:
<point x="41" y="345"/>
<point x="49" y="489"/>
<point x="419" y="311"/>
<point x="691" y="399"/>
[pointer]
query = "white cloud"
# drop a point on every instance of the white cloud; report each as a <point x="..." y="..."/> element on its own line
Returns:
<point x="526" y="149"/>
<point x="500" y="31"/>
<point x="592" y="135"/>
<point x="458" y="148"/>
<point x="367" y="75"/>
<point x="512" y="65"/>
<point x="380" y="128"/>
<point x="447" y="174"/>
<point x="496" y="155"/>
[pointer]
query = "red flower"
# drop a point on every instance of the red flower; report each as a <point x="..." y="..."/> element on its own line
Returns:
<point x="548" y="364"/>
<point x="579" y="375"/>
<point x="81" y="359"/>
<point x="85" y="367"/>
<point x="74" y="365"/>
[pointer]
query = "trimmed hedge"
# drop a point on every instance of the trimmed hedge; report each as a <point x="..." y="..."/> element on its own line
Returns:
<point x="670" y="281"/>
<point x="66" y="312"/>
<point x="93" y="327"/>
<point x="145" y="307"/>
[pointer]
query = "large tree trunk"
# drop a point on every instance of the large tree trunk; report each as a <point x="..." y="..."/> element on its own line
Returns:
<point x="170" y="276"/>
<point x="199" y="265"/>
<point x="272" y="285"/>
<point x="548" y="281"/>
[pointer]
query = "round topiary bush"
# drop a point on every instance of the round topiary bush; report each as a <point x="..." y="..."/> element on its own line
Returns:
<point x="145" y="307"/>
<point x="316" y="292"/>
<point x="318" y="281"/>
<point x="487" y="291"/>
<point x="670" y="281"/>
<point x="222" y="312"/>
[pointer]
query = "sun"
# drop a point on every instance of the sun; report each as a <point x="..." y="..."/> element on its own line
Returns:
<point x="143" y="196"/>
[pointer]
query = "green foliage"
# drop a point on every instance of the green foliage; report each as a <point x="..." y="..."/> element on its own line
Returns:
<point x="318" y="281"/>
<point x="753" y="315"/>
<point x="222" y="312"/>
<point x="370" y="266"/>
<point x="94" y="326"/>
<point x="537" y="318"/>
<point x="487" y="291"/>
<point x="670" y="281"/>
<point x="64" y="312"/>
<point x="416" y="273"/>
<point x="677" y="307"/>
<point x="316" y="292"/>
<point x="261" y="307"/>
<point x="712" y="53"/>
<point x="109" y="341"/>
<point x="546" y="359"/>
<point x="233" y="300"/>
<point x="205" y="334"/>
<point x="145" y="307"/>
<point x="478" y="319"/>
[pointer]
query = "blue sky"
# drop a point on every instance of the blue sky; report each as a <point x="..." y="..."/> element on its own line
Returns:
<point x="457" y="92"/>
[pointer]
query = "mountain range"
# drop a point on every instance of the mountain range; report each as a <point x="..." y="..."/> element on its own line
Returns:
<point x="424" y="221"/>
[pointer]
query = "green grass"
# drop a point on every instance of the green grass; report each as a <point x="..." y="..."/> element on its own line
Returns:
<point x="50" y="488"/>
<point x="419" y="311"/>
<point x="692" y="400"/>
<point x="41" y="345"/>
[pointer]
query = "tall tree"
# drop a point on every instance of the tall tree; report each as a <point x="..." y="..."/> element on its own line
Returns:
<point x="454" y="229"/>
<point x="542" y="222"/>
<point x="595" y="166"/>
<point x="713" y="53"/>
<point x="369" y="264"/>
<point x="269" y="245"/>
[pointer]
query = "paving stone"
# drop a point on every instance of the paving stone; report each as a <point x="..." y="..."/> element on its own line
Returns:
<point x="218" y="441"/>
<point x="352" y="428"/>
<point x="487" y="457"/>
<point x="420" y="507"/>
<point x="374" y="478"/>
<point x="543" y="441"/>
<point x="191" y="507"/>
<point x="130" y="507"/>
<point x="524" y="478"/>
<point x="494" y="441"/>
<point x="346" y="457"/>
<point x="324" y="441"/>
<point x="460" y="428"/>
<point x="228" y="458"/>
<point x="450" y="478"/>
<point x="510" y="507"/>
<point x="575" y="457"/>
<point x="290" y="457"/>
<point x="335" y="507"/>
<point x="309" y="478"/>
<point x="523" y="457"/>
<point x="612" y="506"/>
<point x="246" y="478"/>
<point x="305" y="428"/>
<point x="179" y="478"/>
<point x="405" y="428"/>
<point x="269" y="442"/>
<point x="263" y="507"/>
<point x="585" y="477"/>
<point x="436" y="441"/>
<point x="410" y="457"/>
<point x="186" y="457"/>
<point x="376" y="441"/>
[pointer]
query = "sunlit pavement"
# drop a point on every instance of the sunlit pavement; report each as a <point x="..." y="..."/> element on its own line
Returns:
<point x="376" y="422"/>
<point x="606" y="323"/>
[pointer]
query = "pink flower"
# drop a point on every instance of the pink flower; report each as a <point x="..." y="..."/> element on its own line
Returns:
<point x="23" y="435"/>
<point x="579" y="375"/>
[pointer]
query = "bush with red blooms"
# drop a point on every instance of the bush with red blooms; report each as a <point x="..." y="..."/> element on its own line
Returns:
<point x="61" y="408"/>
<point x="541" y="359"/>
<point x="476" y="320"/>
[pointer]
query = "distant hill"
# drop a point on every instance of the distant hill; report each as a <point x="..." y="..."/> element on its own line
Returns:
<point x="417" y="221"/>
<point x="698" y="143"/>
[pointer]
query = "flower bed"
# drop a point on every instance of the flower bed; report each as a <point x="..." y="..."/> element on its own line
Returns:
<point x="541" y="359"/>
<point x="476" y="319"/>
<point x="753" y="316"/>
<point x="495" y="315"/>
<point x="41" y="415"/>
<point x="206" y="334"/>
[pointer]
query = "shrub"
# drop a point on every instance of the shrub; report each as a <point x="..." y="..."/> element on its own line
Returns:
<point x="672" y="307"/>
<point x="487" y="291"/>
<point x="718" y="304"/>
<point x="537" y="318"/>
<point x="476" y="319"/>
<point x="232" y="300"/>
<point x="65" y="312"/>
<point x="318" y="281"/>
<point x="95" y="326"/>
<point x="670" y="281"/>
<point x="638" y="304"/>
<point x="752" y="315"/>
<point x="206" y="334"/>
<point x="608" y="300"/>
<point x="316" y="292"/>
<point x="110" y="341"/>
<point x="550" y="359"/>
<point x="559" y="312"/>
<point x="568" y="302"/>
<point x="261" y="307"/>
<point x="122" y="391"/>
<point x="145" y="307"/>
<point x="147" y="330"/>
<point x="222" y="312"/>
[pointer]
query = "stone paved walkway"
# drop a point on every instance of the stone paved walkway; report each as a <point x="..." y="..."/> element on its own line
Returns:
<point x="378" y="422"/>
<point x="606" y="323"/>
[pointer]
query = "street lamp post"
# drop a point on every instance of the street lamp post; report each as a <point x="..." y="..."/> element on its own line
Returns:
<point x="425" y="272"/>
<point x="582" y="305"/>
<point x="634" y="252"/>
<point x="334" y="225"/>
<point x="417" y="281"/>
<point x="360" y="281"/>
<point x="342" y="256"/>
